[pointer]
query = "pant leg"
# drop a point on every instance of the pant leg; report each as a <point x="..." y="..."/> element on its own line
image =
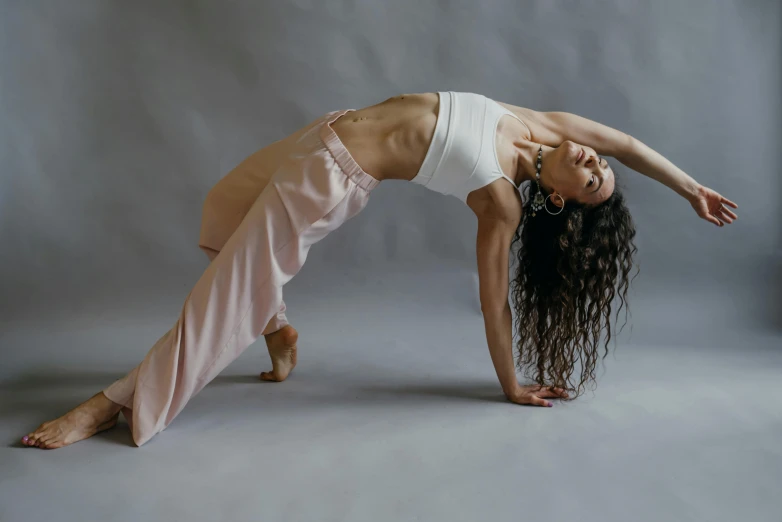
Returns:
<point x="122" y="391"/>
<point x="240" y="291"/>
<point x="278" y="320"/>
<point x="229" y="201"/>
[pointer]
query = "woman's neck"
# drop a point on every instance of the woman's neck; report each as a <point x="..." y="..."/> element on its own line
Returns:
<point x="526" y="160"/>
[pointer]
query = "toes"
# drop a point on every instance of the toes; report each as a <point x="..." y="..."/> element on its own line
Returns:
<point x="268" y="376"/>
<point x="273" y="376"/>
<point x="47" y="441"/>
<point x="50" y="444"/>
<point x="33" y="439"/>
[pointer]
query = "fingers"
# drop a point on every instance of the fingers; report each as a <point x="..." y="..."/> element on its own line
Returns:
<point x="532" y="400"/>
<point x="728" y="202"/>
<point x="721" y="213"/>
<point x="721" y="216"/>
<point x="729" y="213"/>
<point x="536" y="394"/>
<point x="537" y="401"/>
<point x="553" y="392"/>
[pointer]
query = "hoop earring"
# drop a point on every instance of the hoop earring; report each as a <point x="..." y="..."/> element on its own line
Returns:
<point x="560" y="208"/>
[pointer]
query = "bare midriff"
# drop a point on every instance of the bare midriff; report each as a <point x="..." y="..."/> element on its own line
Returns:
<point x="389" y="140"/>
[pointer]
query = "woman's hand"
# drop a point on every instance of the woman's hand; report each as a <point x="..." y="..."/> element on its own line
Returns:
<point x="709" y="205"/>
<point x="536" y="395"/>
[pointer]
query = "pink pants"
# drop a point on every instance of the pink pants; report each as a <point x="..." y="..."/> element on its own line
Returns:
<point x="259" y="222"/>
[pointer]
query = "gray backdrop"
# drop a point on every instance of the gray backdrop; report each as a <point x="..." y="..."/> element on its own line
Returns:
<point x="117" y="117"/>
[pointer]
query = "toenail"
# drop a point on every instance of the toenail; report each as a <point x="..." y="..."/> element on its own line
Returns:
<point x="25" y="438"/>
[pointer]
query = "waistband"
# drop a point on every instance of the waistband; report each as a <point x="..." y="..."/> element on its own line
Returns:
<point x="436" y="150"/>
<point x="341" y="154"/>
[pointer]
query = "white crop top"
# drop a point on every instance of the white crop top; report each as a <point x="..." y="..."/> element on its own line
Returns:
<point x="462" y="156"/>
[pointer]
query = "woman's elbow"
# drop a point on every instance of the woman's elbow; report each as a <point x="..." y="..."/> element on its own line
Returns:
<point x="626" y="148"/>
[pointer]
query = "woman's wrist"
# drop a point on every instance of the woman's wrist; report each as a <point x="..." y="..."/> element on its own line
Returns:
<point x="647" y="161"/>
<point x="512" y="391"/>
<point x="691" y="190"/>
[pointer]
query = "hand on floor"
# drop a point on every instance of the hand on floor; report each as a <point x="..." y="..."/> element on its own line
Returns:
<point x="536" y="395"/>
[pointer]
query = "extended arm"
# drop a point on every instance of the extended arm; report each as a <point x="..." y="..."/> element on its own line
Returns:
<point x="625" y="148"/>
<point x="707" y="203"/>
<point x="552" y="128"/>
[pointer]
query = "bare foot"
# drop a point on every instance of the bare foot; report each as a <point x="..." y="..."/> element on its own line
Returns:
<point x="85" y="420"/>
<point x="282" y="350"/>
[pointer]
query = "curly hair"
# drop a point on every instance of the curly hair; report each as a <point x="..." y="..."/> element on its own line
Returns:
<point x="570" y="268"/>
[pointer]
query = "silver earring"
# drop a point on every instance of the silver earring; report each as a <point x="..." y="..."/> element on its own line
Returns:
<point x="560" y="208"/>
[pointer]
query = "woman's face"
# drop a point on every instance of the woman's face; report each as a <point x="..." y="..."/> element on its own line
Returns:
<point x="576" y="173"/>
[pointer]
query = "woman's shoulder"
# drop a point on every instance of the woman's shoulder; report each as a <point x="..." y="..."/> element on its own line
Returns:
<point x="538" y="123"/>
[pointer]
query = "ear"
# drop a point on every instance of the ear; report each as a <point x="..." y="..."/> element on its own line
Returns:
<point x="556" y="199"/>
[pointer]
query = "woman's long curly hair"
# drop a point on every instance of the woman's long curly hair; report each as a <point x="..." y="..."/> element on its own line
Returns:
<point x="571" y="266"/>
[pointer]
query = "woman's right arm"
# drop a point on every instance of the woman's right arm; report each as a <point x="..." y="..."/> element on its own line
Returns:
<point x="495" y="235"/>
<point x="494" y="239"/>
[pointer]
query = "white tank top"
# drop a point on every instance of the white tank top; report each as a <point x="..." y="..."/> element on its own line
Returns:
<point x="462" y="156"/>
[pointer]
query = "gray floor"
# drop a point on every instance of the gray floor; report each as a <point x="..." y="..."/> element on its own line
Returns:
<point x="394" y="413"/>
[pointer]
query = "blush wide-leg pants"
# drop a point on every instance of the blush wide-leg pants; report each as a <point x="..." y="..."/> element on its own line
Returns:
<point x="259" y="223"/>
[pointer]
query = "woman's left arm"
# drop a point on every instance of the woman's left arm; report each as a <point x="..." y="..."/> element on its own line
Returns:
<point x="552" y="128"/>
<point x="707" y="203"/>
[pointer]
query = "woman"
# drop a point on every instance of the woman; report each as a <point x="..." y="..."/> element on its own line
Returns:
<point x="259" y="221"/>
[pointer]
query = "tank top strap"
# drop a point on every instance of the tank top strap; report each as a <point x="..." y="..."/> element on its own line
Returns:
<point x="518" y="187"/>
<point x="494" y="111"/>
<point x="503" y="110"/>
